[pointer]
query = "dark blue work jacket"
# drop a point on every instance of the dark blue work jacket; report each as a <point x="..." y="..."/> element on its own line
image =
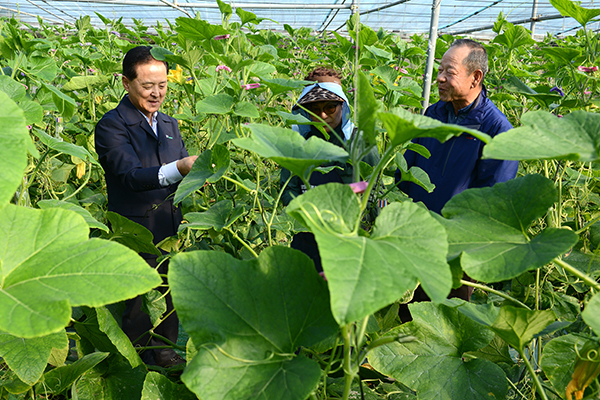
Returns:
<point x="456" y="164"/>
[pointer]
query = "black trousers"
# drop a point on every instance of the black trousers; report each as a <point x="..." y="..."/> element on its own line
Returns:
<point x="136" y="323"/>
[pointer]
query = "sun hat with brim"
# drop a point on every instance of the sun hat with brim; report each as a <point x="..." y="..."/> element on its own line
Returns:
<point x="319" y="94"/>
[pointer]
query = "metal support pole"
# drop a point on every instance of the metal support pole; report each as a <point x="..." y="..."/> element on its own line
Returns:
<point x="533" y="15"/>
<point x="433" y="34"/>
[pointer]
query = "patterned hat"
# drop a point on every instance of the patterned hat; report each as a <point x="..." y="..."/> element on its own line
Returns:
<point x="319" y="94"/>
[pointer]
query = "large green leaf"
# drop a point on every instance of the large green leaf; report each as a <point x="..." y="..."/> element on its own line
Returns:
<point x="221" y="103"/>
<point x="246" y="109"/>
<point x="197" y="29"/>
<point x="368" y="107"/>
<point x="591" y="314"/>
<point x="402" y="126"/>
<point x="513" y="37"/>
<point x="542" y="136"/>
<point x="34" y="113"/>
<point x="568" y="8"/>
<point x="247" y="318"/>
<point x="131" y="234"/>
<point x="15" y="90"/>
<point x="28" y="357"/>
<point x="289" y="149"/>
<point x="42" y="67"/>
<point x="210" y="166"/>
<point x="65" y="104"/>
<point x="159" y="387"/>
<point x="563" y="55"/>
<point x="433" y="364"/>
<point x="118" y="381"/>
<point x="281" y="85"/>
<point x="60" y="379"/>
<point x="518" y="326"/>
<point x="118" y="338"/>
<point x="91" y="221"/>
<point x="220" y="215"/>
<point x="366" y="274"/>
<point x="48" y="264"/>
<point x="13" y="151"/>
<point x="558" y="359"/>
<point x="86" y="82"/>
<point x="488" y="228"/>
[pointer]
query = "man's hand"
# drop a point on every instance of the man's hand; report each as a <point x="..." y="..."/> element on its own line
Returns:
<point x="185" y="164"/>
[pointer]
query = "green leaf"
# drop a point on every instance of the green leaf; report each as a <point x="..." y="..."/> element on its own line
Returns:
<point x="542" y="136"/>
<point x="518" y="326"/>
<point x="155" y="305"/>
<point x="261" y="69"/>
<point x="60" y="379"/>
<point x="488" y="228"/>
<point x="366" y="274"/>
<point x="568" y="8"/>
<point x="197" y="29"/>
<point x="28" y="357"/>
<point x="484" y="314"/>
<point x="117" y="382"/>
<point x="413" y="174"/>
<point x="13" y="152"/>
<point x="86" y="82"/>
<point x="159" y="387"/>
<point x="280" y="85"/>
<point x="289" y="149"/>
<point x="559" y="358"/>
<point x="368" y="107"/>
<point x="247" y="16"/>
<point x="210" y="166"/>
<point x="34" y="113"/>
<point x="131" y="234"/>
<point x="221" y="215"/>
<point x="65" y="104"/>
<point x="433" y="365"/>
<point x="513" y="37"/>
<point x="65" y="205"/>
<point x="403" y="126"/>
<point x="246" y="109"/>
<point x="225" y="8"/>
<point x="216" y="104"/>
<point x="562" y="55"/>
<point x="48" y="265"/>
<point x="15" y="90"/>
<point x="250" y="323"/>
<point x="113" y="331"/>
<point x="591" y="314"/>
<point x="42" y="67"/>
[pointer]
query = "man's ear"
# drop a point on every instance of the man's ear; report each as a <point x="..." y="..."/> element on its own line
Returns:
<point x="477" y="77"/>
<point x="125" y="82"/>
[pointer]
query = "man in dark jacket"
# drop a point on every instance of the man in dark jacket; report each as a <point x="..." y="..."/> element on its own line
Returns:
<point x="456" y="164"/>
<point x="144" y="158"/>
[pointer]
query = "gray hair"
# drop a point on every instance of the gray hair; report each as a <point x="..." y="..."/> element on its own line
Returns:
<point x="477" y="58"/>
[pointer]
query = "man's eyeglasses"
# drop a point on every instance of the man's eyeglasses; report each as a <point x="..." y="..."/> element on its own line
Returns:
<point x="327" y="108"/>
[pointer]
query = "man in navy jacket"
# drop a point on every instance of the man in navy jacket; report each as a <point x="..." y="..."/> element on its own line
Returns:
<point x="144" y="158"/>
<point x="456" y="164"/>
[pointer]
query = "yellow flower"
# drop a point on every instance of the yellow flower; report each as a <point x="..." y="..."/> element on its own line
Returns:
<point x="176" y="75"/>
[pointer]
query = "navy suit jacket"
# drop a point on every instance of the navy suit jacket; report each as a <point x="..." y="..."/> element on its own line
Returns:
<point x="131" y="156"/>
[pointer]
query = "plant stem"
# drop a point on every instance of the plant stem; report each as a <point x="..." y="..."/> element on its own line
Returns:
<point x="167" y="341"/>
<point x="349" y="372"/>
<point x="243" y="242"/>
<point x="534" y="376"/>
<point x="584" y="277"/>
<point x="87" y="179"/>
<point x="238" y="183"/>
<point x="494" y="291"/>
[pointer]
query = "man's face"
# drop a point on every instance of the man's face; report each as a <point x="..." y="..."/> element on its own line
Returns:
<point x="147" y="91"/>
<point x="455" y="84"/>
<point x="329" y="111"/>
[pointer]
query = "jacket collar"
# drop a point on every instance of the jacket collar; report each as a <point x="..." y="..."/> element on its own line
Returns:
<point x="132" y="116"/>
<point x="473" y="116"/>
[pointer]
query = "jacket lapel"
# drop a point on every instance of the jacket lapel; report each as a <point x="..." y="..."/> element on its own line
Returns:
<point x="132" y="116"/>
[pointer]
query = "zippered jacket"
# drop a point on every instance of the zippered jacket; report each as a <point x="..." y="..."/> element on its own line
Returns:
<point x="456" y="164"/>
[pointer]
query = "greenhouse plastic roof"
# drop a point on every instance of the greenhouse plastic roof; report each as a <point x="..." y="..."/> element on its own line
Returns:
<point x="465" y="17"/>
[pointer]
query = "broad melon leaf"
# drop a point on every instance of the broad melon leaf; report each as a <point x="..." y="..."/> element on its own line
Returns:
<point x="91" y="221"/>
<point x="559" y="357"/>
<point x="366" y="274"/>
<point x="568" y="8"/>
<point x="221" y="215"/>
<point x="197" y="29"/>
<point x="28" y="357"/>
<point x="543" y="135"/>
<point x="13" y="152"/>
<point x="48" y="265"/>
<point x="433" y="364"/>
<point x="289" y="149"/>
<point x="34" y="113"/>
<point x="246" y="109"/>
<point x="85" y="82"/>
<point x="210" y="166"/>
<point x="131" y="234"/>
<point x="247" y="319"/>
<point x="117" y="382"/>
<point x="108" y="325"/>
<point x="220" y="103"/>
<point x="368" y="107"/>
<point x="281" y="85"/>
<point x="513" y="37"/>
<point x="15" y="90"/>
<point x="159" y="387"/>
<point x="591" y="314"/>
<point x="487" y="227"/>
<point x="402" y="126"/>
<point x="43" y="67"/>
<point x="518" y="326"/>
<point x="60" y="379"/>
<point x="563" y="55"/>
<point x="65" y="104"/>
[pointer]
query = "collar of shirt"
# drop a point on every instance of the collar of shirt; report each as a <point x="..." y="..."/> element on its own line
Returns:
<point x="456" y="118"/>
<point x="154" y="123"/>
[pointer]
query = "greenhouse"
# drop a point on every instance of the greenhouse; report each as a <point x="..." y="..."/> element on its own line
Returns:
<point x="333" y="199"/>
